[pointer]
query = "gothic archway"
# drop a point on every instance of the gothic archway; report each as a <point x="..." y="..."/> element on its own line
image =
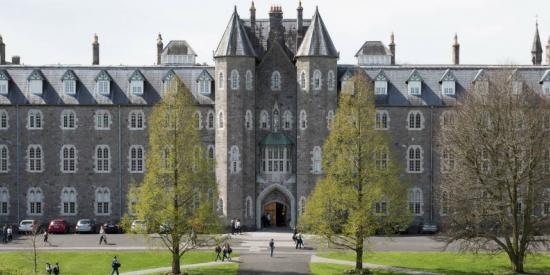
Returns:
<point x="267" y="191"/>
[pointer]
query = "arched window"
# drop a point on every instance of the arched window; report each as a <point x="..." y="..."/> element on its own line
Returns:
<point x="381" y="157"/>
<point x="414" y="159"/>
<point x="35" y="159"/>
<point x="302" y="205"/>
<point x="210" y="120"/>
<point x="317" y="80"/>
<point x="415" y="120"/>
<point x="34" y="120"/>
<point x="220" y="120"/>
<point x="69" y="159"/>
<point x="3" y="120"/>
<point x="4" y="201"/>
<point x="35" y="201"/>
<point x="248" y="207"/>
<point x="234" y="80"/>
<point x="316" y="160"/>
<point x="4" y="159"/>
<point x="276" y="120"/>
<point x="136" y="120"/>
<point x="264" y="120"/>
<point x="330" y="119"/>
<point x="102" y="201"/>
<point x="382" y="120"/>
<point x="102" y="120"/>
<point x="248" y="121"/>
<point x="276" y="159"/>
<point x="102" y="159"/>
<point x="221" y="80"/>
<point x="235" y="160"/>
<point x="447" y="160"/>
<point x="444" y="203"/>
<point x="198" y="119"/>
<point x="330" y="80"/>
<point x="416" y="201"/>
<point x="303" y="120"/>
<point x="303" y="80"/>
<point x="287" y="120"/>
<point x="249" y="80"/>
<point x="68" y="201"/>
<point x="136" y="163"/>
<point x="210" y="153"/>
<point x="276" y="81"/>
<point x="447" y="119"/>
<point x="381" y="207"/>
<point x="68" y="120"/>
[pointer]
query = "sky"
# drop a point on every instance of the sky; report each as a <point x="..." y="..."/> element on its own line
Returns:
<point x="61" y="31"/>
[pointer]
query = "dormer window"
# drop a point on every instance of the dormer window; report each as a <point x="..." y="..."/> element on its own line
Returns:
<point x="36" y="82"/>
<point x="448" y="85"/>
<point x="136" y="83"/>
<point x="69" y="83"/>
<point x="380" y="87"/>
<point x="481" y="83"/>
<point x="415" y="83"/>
<point x="4" y="83"/>
<point x="103" y="83"/>
<point x="347" y="83"/>
<point x="204" y="82"/>
<point x="167" y="81"/>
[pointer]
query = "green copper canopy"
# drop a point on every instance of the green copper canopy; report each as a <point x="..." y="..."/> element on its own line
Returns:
<point x="276" y="139"/>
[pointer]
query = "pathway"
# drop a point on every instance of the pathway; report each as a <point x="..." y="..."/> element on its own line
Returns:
<point x="165" y="269"/>
<point x="317" y="259"/>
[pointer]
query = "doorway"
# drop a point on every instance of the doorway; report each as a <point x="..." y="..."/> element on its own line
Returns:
<point x="276" y="215"/>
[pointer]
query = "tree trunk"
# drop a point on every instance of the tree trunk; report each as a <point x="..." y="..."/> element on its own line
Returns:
<point x="176" y="261"/>
<point x="359" y="250"/>
<point x="517" y="263"/>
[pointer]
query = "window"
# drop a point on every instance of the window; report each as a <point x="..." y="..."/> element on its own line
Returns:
<point x="303" y="80"/>
<point x="381" y="207"/>
<point x="204" y="86"/>
<point x="448" y="88"/>
<point x="234" y="160"/>
<point x="136" y="159"/>
<point x="3" y="120"/>
<point x="517" y="87"/>
<point x="198" y="120"/>
<point x="414" y="159"/>
<point x="415" y="201"/>
<point x="102" y="201"/>
<point x="136" y="84"/>
<point x="35" y="159"/>
<point x="380" y="87"/>
<point x="444" y="203"/>
<point x="234" y="80"/>
<point x="35" y="86"/>
<point x="545" y="88"/>
<point x="104" y="87"/>
<point x="381" y="157"/>
<point x="102" y="120"/>
<point x="4" y="201"/>
<point x="448" y="162"/>
<point x="248" y="121"/>
<point x="316" y="160"/>
<point x="276" y="159"/>
<point x="220" y="80"/>
<point x="211" y="153"/>
<point x="447" y="119"/>
<point x="248" y="207"/>
<point x="249" y="80"/>
<point x="220" y="120"/>
<point x="102" y="159"/>
<point x="68" y="120"/>
<point x="4" y="87"/>
<point x="4" y="159"/>
<point x="68" y="201"/>
<point x="264" y="120"/>
<point x="382" y="120"/>
<point x="415" y="120"/>
<point x="302" y="205"/>
<point x="35" y="200"/>
<point x="303" y="120"/>
<point x="330" y="119"/>
<point x="276" y="81"/>
<point x="287" y="120"/>
<point x="34" y="120"/>
<point x="415" y="88"/>
<point x="69" y="87"/>
<point x="317" y="80"/>
<point x="330" y="80"/>
<point x="210" y="120"/>
<point x="68" y="159"/>
<point x="136" y="120"/>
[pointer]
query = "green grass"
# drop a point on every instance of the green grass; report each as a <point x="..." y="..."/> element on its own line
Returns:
<point x="229" y="269"/>
<point x="94" y="262"/>
<point x="448" y="262"/>
<point x="336" y="269"/>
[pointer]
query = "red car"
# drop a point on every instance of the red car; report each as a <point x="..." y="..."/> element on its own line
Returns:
<point x="58" y="226"/>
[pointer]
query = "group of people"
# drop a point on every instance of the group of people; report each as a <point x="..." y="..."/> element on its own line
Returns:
<point x="266" y="220"/>
<point x="7" y="234"/>
<point x="226" y="252"/>
<point x="236" y="226"/>
<point x="52" y="269"/>
<point x="297" y="238"/>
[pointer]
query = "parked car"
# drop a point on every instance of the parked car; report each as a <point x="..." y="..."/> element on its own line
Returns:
<point x="58" y="226"/>
<point x="112" y="228"/>
<point x="26" y="226"/>
<point x="85" y="226"/>
<point x="138" y="226"/>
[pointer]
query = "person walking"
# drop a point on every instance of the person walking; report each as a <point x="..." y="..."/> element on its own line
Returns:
<point x="218" y="252"/>
<point x="299" y="242"/>
<point x="232" y="226"/>
<point x="48" y="268"/>
<point x="102" y="236"/>
<point x="238" y="226"/>
<point x="5" y="234"/>
<point x="115" y="265"/>
<point x="45" y="237"/>
<point x="295" y="237"/>
<point x="56" y="269"/>
<point x="271" y="247"/>
<point x="10" y="233"/>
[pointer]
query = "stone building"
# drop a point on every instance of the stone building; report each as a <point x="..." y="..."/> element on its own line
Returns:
<point x="73" y="138"/>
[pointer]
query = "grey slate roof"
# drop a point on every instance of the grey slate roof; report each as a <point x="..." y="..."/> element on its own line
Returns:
<point x="261" y="33"/>
<point x="317" y="41"/>
<point x="235" y="41"/>
<point x="86" y="85"/>
<point x="178" y="47"/>
<point x="373" y="48"/>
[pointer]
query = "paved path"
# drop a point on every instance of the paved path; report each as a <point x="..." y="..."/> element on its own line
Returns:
<point x="165" y="269"/>
<point x="317" y="259"/>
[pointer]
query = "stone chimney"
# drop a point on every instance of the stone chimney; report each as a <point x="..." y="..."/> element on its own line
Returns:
<point x="276" y="30"/>
<point x="456" y="51"/>
<point x="2" y="51"/>
<point x="392" y="48"/>
<point x="300" y="25"/>
<point x="160" y="47"/>
<point x="548" y="51"/>
<point x="16" y="60"/>
<point x="253" y="17"/>
<point x="95" y="51"/>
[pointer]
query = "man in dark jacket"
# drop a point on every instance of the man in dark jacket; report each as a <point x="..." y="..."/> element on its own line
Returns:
<point x="271" y="247"/>
<point x="115" y="265"/>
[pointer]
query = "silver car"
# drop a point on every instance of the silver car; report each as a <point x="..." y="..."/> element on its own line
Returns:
<point x="85" y="226"/>
<point x="26" y="226"/>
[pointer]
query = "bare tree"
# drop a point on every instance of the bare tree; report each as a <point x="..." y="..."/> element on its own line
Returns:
<point x="497" y="157"/>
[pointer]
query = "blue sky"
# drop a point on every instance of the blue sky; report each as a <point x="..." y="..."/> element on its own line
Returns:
<point x="61" y="31"/>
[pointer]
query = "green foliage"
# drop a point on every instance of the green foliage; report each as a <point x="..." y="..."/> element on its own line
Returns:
<point x="126" y="223"/>
<point x="336" y="269"/>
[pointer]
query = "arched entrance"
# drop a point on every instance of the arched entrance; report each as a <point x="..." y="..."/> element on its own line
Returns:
<point x="277" y="203"/>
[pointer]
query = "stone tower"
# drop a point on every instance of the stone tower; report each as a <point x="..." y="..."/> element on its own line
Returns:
<point x="536" y="50"/>
<point x="235" y="62"/>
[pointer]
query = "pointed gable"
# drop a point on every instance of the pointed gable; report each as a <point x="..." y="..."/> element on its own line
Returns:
<point x="381" y="76"/>
<point x="414" y="76"/>
<point x="69" y="75"/>
<point x="545" y="77"/>
<point x="4" y="75"/>
<point x="103" y="75"/>
<point x="205" y="76"/>
<point x="169" y="75"/>
<point x="136" y="76"/>
<point x="480" y="76"/>
<point x="235" y="41"/>
<point x="36" y="75"/>
<point x="447" y="76"/>
<point x="348" y="75"/>
<point x="317" y="41"/>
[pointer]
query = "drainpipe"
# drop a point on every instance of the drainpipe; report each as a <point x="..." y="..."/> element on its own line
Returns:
<point x="431" y="167"/>
<point x="120" y="162"/>
<point x="17" y="146"/>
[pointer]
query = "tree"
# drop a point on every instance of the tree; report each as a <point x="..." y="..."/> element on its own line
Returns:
<point x="361" y="193"/>
<point x="497" y="194"/>
<point x="178" y="192"/>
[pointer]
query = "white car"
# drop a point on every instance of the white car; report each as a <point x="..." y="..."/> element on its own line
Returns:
<point x="85" y="226"/>
<point x="139" y="226"/>
<point x="26" y="226"/>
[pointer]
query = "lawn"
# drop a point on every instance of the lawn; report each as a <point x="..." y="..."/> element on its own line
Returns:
<point x="336" y="269"/>
<point x="94" y="262"/>
<point x="230" y="269"/>
<point x="448" y="262"/>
